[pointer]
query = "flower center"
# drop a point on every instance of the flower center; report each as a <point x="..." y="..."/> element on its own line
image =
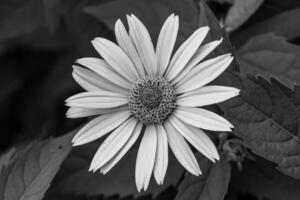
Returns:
<point x="151" y="99"/>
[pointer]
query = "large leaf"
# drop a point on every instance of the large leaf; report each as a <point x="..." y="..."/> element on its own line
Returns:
<point x="211" y="185"/>
<point x="261" y="179"/>
<point x="74" y="177"/>
<point x="266" y="120"/>
<point x="30" y="173"/>
<point x="271" y="56"/>
<point x="152" y="13"/>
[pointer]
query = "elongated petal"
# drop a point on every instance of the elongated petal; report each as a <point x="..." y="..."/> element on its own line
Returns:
<point x="113" y="143"/>
<point x="204" y="73"/>
<point x="99" y="126"/>
<point x="199" y="55"/>
<point x="197" y="138"/>
<point x="185" y="53"/>
<point x="75" y="112"/>
<point x="202" y="118"/>
<point x="165" y="43"/>
<point x="97" y="99"/>
<point x="134" y="136"/>
<point x="116" y="58"/>
<point x="146" y="158"/>
<point x="105" y="71"/>
<point x="126" y="44"/>
<point x="161" y="158"/>
<point x="90" y="81"/>
<point x="207" y="95"/>
<point x="181" y="149"/>
<point x="143" y="44"/>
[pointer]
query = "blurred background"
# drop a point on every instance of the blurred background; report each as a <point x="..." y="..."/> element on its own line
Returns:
<point x="39" y="42"/>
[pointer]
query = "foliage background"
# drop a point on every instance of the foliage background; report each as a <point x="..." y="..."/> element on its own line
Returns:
<point x="39" y="41"/>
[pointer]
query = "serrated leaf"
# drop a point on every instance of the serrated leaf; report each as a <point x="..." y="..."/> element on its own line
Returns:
<point x="270" y="56"/>
<point x="240" y="12"/>
<point x="74" y="177"/>
<point x="261" y="179"/>
<point x="211" y="185"/>
<point x="266" y="120"/>
<point x="152" y="13"/>
<point x="32" y="170"/>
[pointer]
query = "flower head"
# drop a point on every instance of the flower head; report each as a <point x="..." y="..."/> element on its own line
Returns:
<point x="136" y="86"/>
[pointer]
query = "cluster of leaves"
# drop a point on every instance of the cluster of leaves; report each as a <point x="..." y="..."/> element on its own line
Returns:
<point x="46" y="36"/>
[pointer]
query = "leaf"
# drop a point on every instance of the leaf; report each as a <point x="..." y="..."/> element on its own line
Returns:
<point x="211" y="185"/>
<point x="266" y="120"/>
<point x="20" y="18"/>
<point x="152" y="13"/>
<point x="52" y="14"/>
<point x="207" y="18"/>
<point x="261" y="179"/>
<point x="6" y="158"/>
<point x="271" y="56"/>
<point x="283" y="24"/>
<point x="240" y="12"/>
<point x="30" y="174"/>
<point x="74" y="177"/>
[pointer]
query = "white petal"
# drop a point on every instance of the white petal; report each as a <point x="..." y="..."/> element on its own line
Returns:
<point x="126" y="44"/>
<point x="181" y="149"/>
<point x="90" y="81"/>
<point x="185" y="52"/>
<point x="99" y="127"/>
<point x="165" y="43"/>
<point x="116" y="58"/>
<point x="197" y="138"/>
<point x="161" y="158"/>
<point x="134" y="136"/>
<point x="200" y="54"/>
<point x="104" y="70"/>
<point x="113" y="143"/>
<point x="207" y="95"/>
<point x="203" y="73"/>
<point x="74" y="112"/>
<point x="143" y="44"/>
<point x="97" y="99"/>
<point x="146" y="158"/>
<point x="202" y="118"/>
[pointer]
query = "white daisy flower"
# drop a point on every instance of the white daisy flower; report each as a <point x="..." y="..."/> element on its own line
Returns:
<point x="136" y="89"/>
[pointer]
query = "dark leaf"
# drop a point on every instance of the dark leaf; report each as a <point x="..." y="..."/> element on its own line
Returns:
<point x="21" y="17"/>
<point x="152" y="13"/>
<point x="52" y="14"/>
<point x="207" y="18"/>
<point x="282" y="24"/>
<point x="6" y="157"/>
<point x="240" y="12"/>
<point x="211" y="185"/>
<point x="74" y="177"/>
<point x="261" y="179"/>
<point x="32" y="170"/>
<point x="270" y="56"/>
<point x="266" y="120"/>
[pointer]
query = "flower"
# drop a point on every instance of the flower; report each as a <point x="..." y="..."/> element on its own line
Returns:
<point x="138" y="90"/>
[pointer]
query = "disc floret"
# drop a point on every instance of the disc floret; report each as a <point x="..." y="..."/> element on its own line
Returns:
<point x="152" y="99"/>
